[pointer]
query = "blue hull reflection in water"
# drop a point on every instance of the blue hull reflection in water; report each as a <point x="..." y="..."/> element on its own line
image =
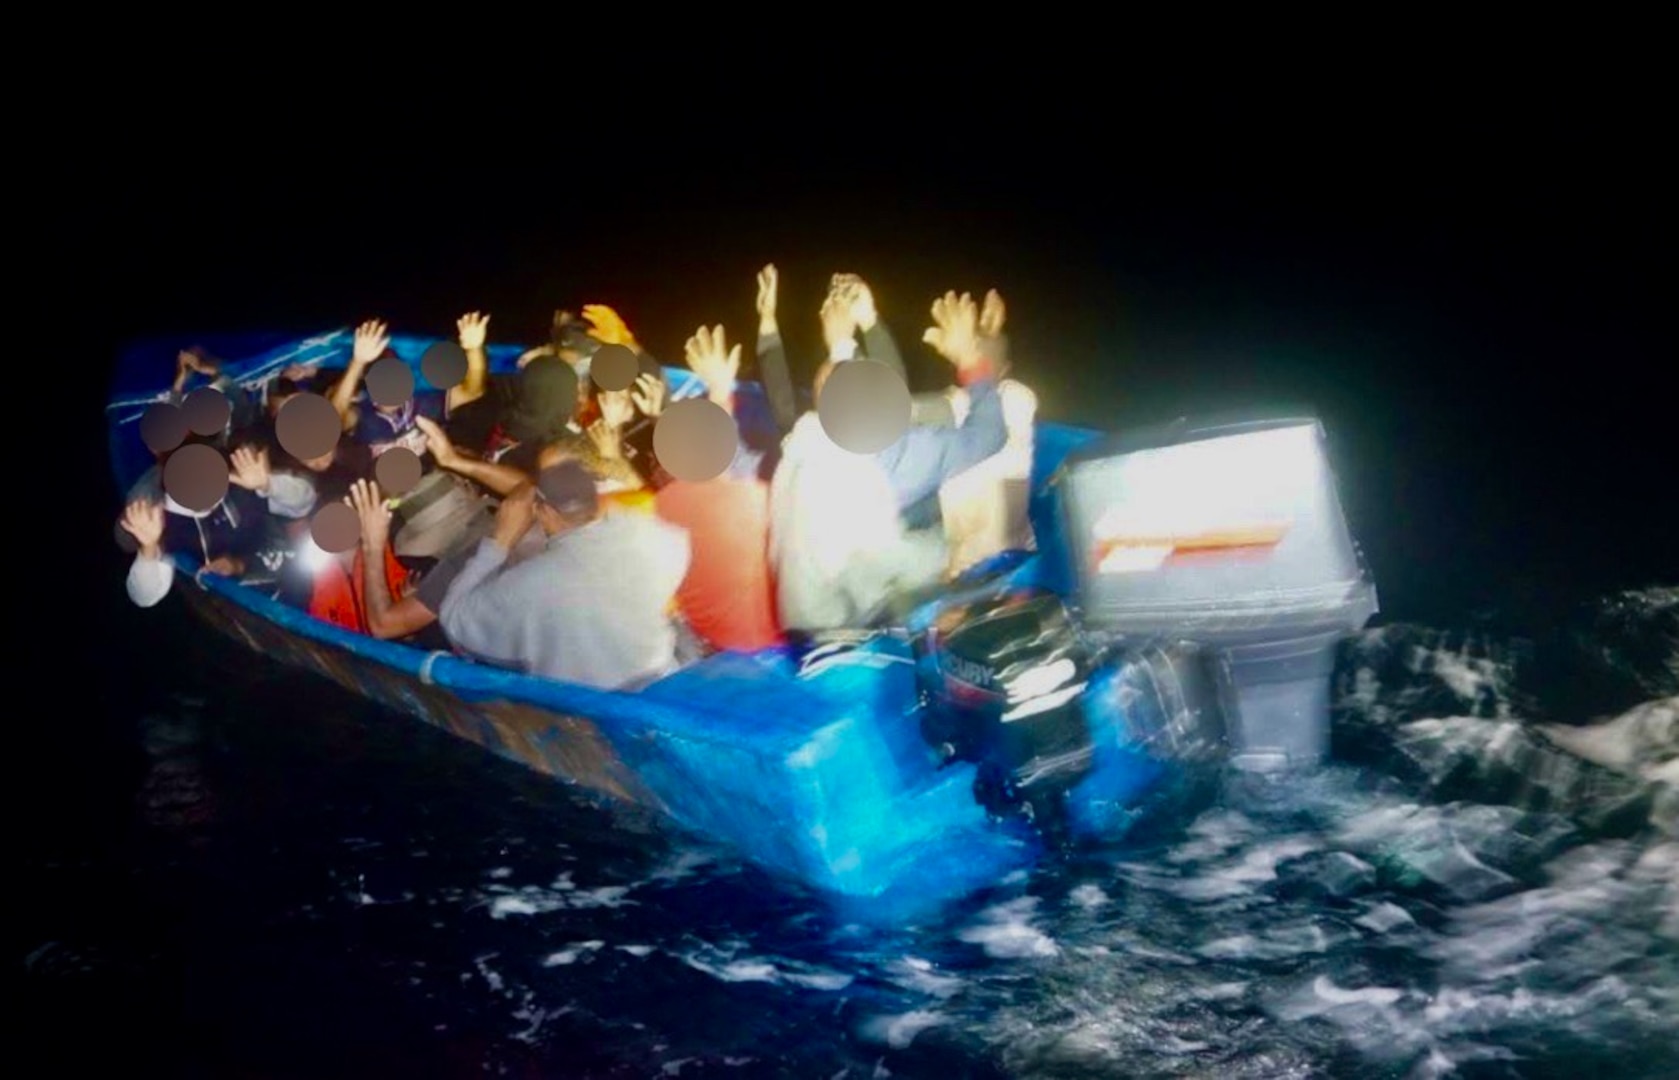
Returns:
<point x="1477" y="888"/>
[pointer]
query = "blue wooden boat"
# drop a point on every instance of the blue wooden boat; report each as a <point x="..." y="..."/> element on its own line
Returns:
<point x="817" y="771"/>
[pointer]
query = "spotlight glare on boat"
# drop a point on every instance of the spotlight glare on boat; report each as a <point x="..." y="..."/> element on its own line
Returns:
<point x="1041" y="680"/>
<point x="312" y="555"/>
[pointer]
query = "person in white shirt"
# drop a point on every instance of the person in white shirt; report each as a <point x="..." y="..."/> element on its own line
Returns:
<point x="593" y="607"/>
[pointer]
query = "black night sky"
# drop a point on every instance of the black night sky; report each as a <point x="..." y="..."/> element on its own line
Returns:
<point x="1463" y="279"/>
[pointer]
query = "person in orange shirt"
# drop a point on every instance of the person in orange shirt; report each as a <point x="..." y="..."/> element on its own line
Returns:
<point x="727" y="598"/>
<point x="340" y="588"/>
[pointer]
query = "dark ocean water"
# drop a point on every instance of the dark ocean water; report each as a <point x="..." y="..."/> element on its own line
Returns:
<point x="276" y="879"/>
<point x="235" y="870"/>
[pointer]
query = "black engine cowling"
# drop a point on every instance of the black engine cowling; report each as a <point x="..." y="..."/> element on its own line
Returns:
<point x="1011" y="684"/>
<point x="1001" y="678"/>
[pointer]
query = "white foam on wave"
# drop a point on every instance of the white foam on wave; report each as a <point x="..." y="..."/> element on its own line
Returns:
<point x="1466" y="676"/>
<point x="900" y="1030"/>
<point x="1214" y="833"/>
<point x="1256" y="866"/>
<point x="1005" y="931"/>
<point x="1385" y="917"/>
<point x="503" y="906"/>
<point x="1280" y="943"/>
<point x="1088" y="896"/>
<point x="1641" y="741"/>
<point x="721" y="963"/>
<point x="914" y="973"/>
<point x="561" y="894"/>
<point x="571" y="953"/>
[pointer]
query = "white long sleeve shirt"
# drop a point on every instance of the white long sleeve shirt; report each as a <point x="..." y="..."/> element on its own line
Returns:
<point x="836" y="540"/>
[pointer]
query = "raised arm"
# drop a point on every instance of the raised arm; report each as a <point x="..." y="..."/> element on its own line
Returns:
<point x="151" y="574"/>
<point x="772" y="354"/>
<point x="288" y="494"/>
<point x="371" y="340"/>
<point x="717" y="364"/>
<point x="473" y="329"/>
<point x="932" y="410"/>
<point x="878" y="342"/>
<point x="500" y="479"/>
<point x="387" y="617"/>
<point x="927" y="456"/>
<point x="187" y="362"/>
<point x="606" y="434"/>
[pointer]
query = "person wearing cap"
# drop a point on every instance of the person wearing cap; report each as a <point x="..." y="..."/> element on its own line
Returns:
<point x="593" y="607"/>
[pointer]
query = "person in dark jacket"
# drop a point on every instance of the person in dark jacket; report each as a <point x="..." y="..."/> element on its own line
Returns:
<point x="225" y="539"/>
<point x="935" y="447"/>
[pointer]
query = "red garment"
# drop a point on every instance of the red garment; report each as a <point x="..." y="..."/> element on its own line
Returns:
<point x="984" y="369"/>
<point x="728" y="597"/>
<point x="338" y="597"/>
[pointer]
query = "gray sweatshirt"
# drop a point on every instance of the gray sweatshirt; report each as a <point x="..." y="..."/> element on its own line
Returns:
<point x="592" y="608"/>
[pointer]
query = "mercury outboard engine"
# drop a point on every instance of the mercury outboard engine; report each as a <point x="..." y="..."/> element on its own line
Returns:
<point x="1011" y="684"/>
<point x="1228" y="533"/>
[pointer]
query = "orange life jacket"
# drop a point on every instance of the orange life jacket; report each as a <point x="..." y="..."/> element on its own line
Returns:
<point x="338" y="596"/>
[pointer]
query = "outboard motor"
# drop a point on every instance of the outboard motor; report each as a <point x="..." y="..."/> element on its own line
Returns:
<point x="1011" y="684"/>
<point x="1230" y="535"/>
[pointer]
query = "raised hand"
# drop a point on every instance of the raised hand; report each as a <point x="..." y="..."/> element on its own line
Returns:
<point x="372" y="339"/>
<point x="368" y="502"/>
<point x="472" y="328"/>
<point x="955" y="330"/>
<point x="616" y="408"/>
<point x="250" y="469"/>
<point x="442" y="450"/>
<point x="606" y="326"/>
<point x="843" y="284"/>
<point x="991" y="315"/>
<point x="769" y="287"/>
<point x="649" y="393"/>
<point x="839" y="325"/>
<point x="607" y="436"/>
<point x="862" y="304"/>
<point x="143" y="520"/>
<point x="710" y="358"/>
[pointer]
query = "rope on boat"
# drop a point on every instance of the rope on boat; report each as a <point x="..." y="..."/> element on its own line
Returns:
<point x="425" y="667"/>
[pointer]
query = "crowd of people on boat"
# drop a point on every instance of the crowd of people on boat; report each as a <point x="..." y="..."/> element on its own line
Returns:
<point x="552" y="520"/>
